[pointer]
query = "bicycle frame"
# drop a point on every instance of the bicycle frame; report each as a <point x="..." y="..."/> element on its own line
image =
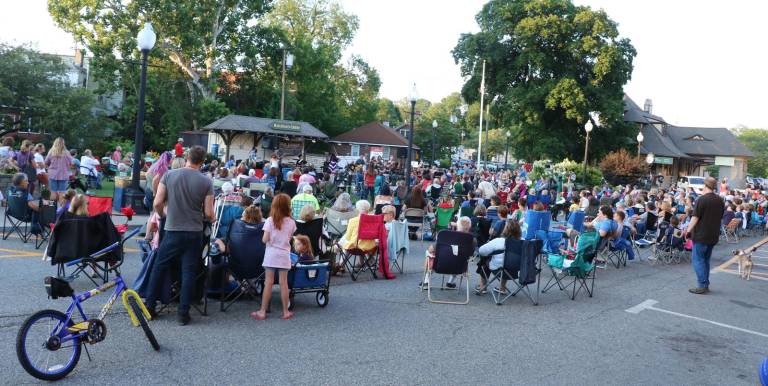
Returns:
<point x="80" y="330"/>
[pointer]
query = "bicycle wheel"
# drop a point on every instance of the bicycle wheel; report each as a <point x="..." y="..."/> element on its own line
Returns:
<point x="40" y="349"/>
<point x="143" y="323"/>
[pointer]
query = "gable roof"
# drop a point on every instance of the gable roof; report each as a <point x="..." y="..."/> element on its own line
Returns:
<point x="717" y="141"/>
<point x="242" y="123"/>
<point x="658" y="144"/>
<point x="681" y="142"/>
<point x="373" y="133"/>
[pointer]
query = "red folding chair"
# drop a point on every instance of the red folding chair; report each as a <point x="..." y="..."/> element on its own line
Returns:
<point x="358" y="260"/>
<point x="98" y="205"/>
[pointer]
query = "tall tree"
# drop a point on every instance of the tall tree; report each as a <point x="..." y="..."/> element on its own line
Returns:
<point x="200" y="37"/>
<point x="38" y="85"/>
<point x="332" y="96"/>
<point x="548" y="64"/>
<point x="756" y="140"/>
<point x="388" y="112"/>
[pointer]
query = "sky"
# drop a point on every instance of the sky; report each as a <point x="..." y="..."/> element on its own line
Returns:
<point x="703" y="63"/>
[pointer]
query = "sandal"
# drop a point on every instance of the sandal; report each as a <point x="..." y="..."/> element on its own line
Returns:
<point x="481" y="290"/>
<point x="502" y="291"/>
<point x="258" y="316"/>
<point x="287" y="316"/>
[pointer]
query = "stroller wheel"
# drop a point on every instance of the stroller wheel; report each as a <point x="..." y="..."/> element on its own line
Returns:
<point x="322" y="298"/>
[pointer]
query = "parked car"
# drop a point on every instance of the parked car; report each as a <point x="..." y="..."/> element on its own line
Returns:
<point x="695" y="182"/>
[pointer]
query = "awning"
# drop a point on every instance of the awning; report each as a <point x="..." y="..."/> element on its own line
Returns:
<point x="264" y="126"/>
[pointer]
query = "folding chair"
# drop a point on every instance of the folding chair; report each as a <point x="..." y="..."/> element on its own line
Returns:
<point x="415" y="218"/>
<point x="336" y="223"/>
<point x="314" y="231"/>
<point x="520" y="267"/>
<point x="536" y="221"/>
<point x="616" y="256"/>
<point x="647" y="240"/>
<point x="580" y="268"/>
<point x="452" y="252"/>
<point x="576" y="221"/>
<point x="18" y="214"/>
<point x="84" y="239"/>
<point x="443" y="218"/>
<point x="357" y="260"/>
<point x="398" y="244"/>
<point x="47" y="218"/>
<point x="245" y="254"/>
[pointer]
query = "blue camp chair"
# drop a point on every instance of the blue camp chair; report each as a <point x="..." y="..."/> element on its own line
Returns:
<point x="536" y="221"/>
<point x="764" y="372"/>
<point x="576" y="221"/>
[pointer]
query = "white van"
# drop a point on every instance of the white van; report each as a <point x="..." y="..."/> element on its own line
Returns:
<point x="695" y="182"/>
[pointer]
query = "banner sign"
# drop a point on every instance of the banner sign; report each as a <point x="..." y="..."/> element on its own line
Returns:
<point x="285" y="126"/>
<point x="663" y="160"/>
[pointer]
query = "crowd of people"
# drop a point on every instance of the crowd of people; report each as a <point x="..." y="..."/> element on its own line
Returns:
<point x="181" y="188"/>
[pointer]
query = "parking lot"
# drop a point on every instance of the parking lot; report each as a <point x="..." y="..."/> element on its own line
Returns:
<point x="641" y="327"/>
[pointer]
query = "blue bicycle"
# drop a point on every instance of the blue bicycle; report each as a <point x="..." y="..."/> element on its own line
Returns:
<point x="49" y="342"/>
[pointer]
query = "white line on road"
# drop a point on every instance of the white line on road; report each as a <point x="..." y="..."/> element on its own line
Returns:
<point x="650" y="303"/>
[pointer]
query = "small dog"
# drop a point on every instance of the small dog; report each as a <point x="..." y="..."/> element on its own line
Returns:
<point x="745" y="264"/>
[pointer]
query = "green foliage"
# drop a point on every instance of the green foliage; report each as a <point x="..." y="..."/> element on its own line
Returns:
<point x="388" y="112"/>
<point x="548" y="64"/>
<point x="539" y="170"/>
<point x="620" y="167"/>
<point x="713" y="171"/>
<point x="211" y="110"/>
<point x="756" y="140"/>
<point x="38" y="84"/>
<point x="568" y="167"/>
<point x="198" y="37"/>
<point x="447" y="135"/>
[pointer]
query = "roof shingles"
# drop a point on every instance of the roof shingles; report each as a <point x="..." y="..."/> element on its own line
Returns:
<point x="373" y="133"/>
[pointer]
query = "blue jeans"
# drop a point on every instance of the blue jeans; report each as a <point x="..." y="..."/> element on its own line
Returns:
<point x="176" y="247"/>
<point x="700" y="260"/>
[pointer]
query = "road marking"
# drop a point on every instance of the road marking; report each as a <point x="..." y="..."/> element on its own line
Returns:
<point x="650" y="303"/>
<point x="17" y="253"/>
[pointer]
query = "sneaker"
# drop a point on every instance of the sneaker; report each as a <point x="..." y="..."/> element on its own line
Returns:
<point x="152" y="312"/>
<point x="450" y="285"/>
<point x="184" y="319"/>
<point x="699" y="291"/>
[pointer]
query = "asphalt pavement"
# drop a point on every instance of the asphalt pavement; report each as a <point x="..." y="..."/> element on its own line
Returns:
<point x="386" y="332"/>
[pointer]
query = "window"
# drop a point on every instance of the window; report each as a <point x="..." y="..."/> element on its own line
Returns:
<point x="386" y="153"/>
<point x="697" y="138"/>
<point x="355" y="150"/>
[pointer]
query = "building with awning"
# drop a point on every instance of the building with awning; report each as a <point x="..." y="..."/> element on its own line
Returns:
<point x="687" y="151"/>
<point x="372" y="140"/>
<point x="237" y="135"/>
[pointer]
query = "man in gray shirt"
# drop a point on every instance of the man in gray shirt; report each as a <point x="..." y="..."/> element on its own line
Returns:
<point x="184" y="198"/>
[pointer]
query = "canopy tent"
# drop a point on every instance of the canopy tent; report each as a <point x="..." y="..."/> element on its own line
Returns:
<point x="231" y="126"/>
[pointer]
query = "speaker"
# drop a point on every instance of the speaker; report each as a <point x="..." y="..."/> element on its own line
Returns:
<point x="269" y="142"/>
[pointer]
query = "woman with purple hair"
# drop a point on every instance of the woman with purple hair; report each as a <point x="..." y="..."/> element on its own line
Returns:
<point x="154" y="174"/>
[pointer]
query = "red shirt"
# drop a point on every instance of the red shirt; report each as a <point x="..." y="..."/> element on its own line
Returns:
<point x="179" y="150"/>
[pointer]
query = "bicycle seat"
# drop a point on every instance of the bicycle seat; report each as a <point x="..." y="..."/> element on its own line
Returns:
<point x="58" y="288"/>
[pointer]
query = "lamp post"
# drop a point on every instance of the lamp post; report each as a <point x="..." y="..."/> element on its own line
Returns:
<point x="649" y="160"/>
<point x="145" y="41"/>
<point x="412" y="97"/>
<point x="434" y="130"/>
<point x="453" y="119"/>
<point x="506" y="153"/>
<point x="588" y="129"/>
<point x="639" y="142"/>
<point x="287" y="64"/>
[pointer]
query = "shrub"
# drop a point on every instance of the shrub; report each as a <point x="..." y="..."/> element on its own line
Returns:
<point x="620" y="167"/>
<point x="568" y="167"/>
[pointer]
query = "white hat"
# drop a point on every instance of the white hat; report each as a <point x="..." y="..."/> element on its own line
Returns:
<point x="180" y="140"/>
<point x="227" y="188"/>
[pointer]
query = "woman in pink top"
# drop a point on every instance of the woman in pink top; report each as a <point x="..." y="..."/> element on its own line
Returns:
<point x="278" y="230"/>
<point x="59" y="163"/>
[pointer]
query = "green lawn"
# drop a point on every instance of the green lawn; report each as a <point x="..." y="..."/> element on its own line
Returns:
<point x="107" y="189"/>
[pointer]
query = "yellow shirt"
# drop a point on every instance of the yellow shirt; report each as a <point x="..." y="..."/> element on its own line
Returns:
<point x="350" y="241"/>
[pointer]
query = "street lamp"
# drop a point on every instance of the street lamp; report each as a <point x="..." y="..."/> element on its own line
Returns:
<point x="287" y="64"/>
<point x="506" y="154"/>
<point x="649" y="159"/>
<point x="588" y="128"/>
<point x="145" y="41"/>
<point x="413" y="96"/>
<point x="434" y="130"/>
<point x="639" y="142"/>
